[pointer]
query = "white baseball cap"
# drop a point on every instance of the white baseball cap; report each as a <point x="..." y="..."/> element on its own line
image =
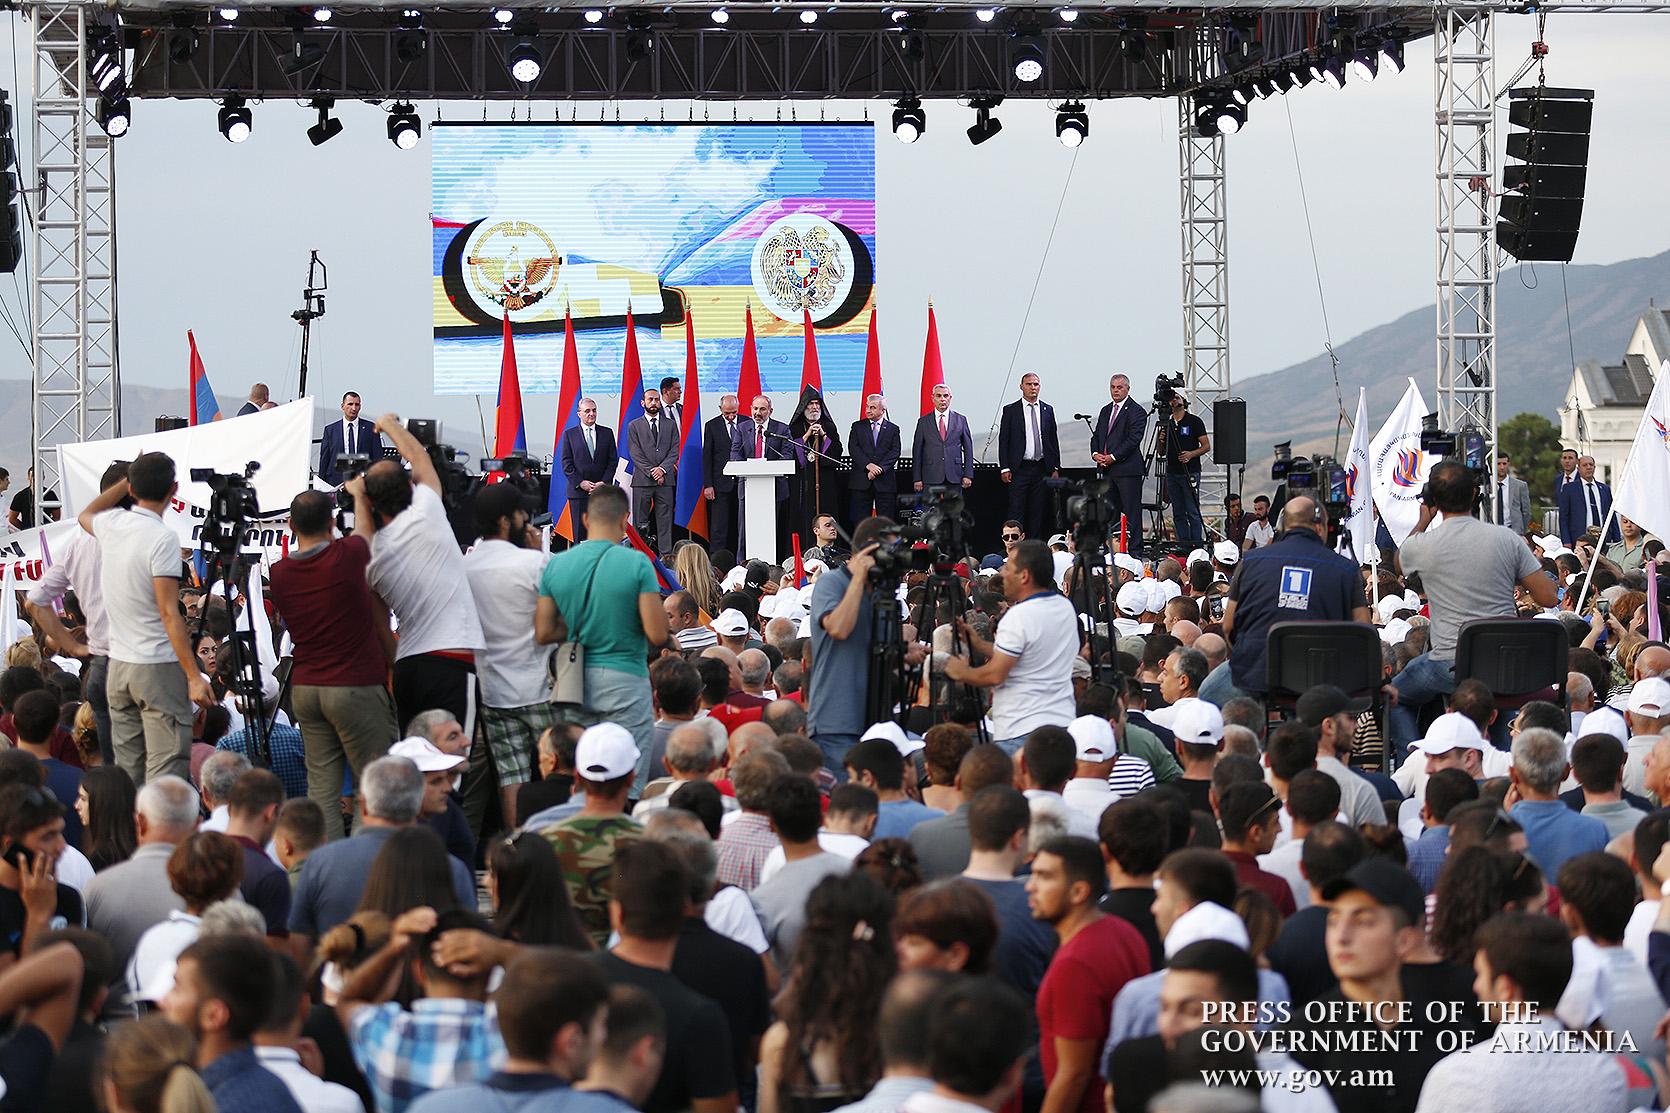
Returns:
<point x="894" y="733"/>
<point x="730" y="623"/>
<point x="1128" y="562"/>
<point x="1200" y="555"/>
<point x="1197" y="723"/>
<point x="605" y="751"/>
<point x="1227" y="552"/>
<point x="423" y="753"/>
<point x="734" y="579"/>
<point x="1390" y="605"/>
<point x="1132" y="599"/>
<point x="1650" y="697"/>
<point x="1450" y="731"/>
<point x="1094" y="736"/>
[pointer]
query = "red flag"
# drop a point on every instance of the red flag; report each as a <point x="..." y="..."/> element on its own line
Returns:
<point x="204" y="408"/>
<point x="933" y="372"/>
<point x="810" y="374"/>
<point x="872" y="368"/>
<point x="748" y="382"/>
<point x="799" y="562"/>
<point x="568" y="415"/>
<point x="509" y="433"/>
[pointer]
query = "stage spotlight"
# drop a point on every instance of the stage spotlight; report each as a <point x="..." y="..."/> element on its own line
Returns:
<point x="404" y="127"/>
<point x="1072" y="124"/>
<point x="328" y="127"/>
<point x="1133" y="45"/>
<point x="322" y="15"/>
<point x="594" y="15"/>
<point x="1265" y="85"/>
<point x="985" y="15"/>
<point x="1069" y="15"/>
<point x="909" y="121"/>
<point x="640" y="37"/>
<point x="105" y="64"/>
<point x="411" y="17"/>
<point x="913" y="44"/>
<point x="808" y="17"/>
<point x="1365" y="63"/>
<point x="1301" y="73"/>
<point x="503" y="15"/>
<point x="985" y="125"/>
<point x="526" y="63"/>
<point x="236" y="122"/>
<point x="303" y="55"/>
<point x="1281" y="80"/>
<point x="182" y="44"/>
<point x="1391" y="54"/>
<point x="1026" y="56"/>
<point x="1229" y="117"/>
<point x="721" y="16"/>
<point x="1245" y="93"/>
<point x="115" y="115"/>
<point x="409" y="46"/>
<point x="1332" y="71"/>
<point x="228" y="15"/>
<point x="898" y="15"/>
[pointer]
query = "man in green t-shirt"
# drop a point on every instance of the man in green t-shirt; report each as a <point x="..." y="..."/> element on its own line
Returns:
<point x="606" y="597"/>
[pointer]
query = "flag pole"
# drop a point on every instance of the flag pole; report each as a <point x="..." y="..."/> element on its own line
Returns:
<point x="1605" y="528"/>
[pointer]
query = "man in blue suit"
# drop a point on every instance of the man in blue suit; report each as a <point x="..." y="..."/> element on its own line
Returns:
<point x="758" y="437"/>
<point x="352" y="435"/>
<point x="588" y="457"/>
<point x="942" y="452"/>
<point x="1584" y="504"/>
<point x="875" y="447"/>
<point x="1028" y="451"/>
<point x="1116" y="446"/>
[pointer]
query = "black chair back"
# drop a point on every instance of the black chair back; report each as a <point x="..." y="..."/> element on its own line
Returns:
<point x="1301" y="655"/>
<point x="1518" y="659"/>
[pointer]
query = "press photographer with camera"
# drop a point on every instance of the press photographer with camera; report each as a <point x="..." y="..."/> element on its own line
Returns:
<point x="1468" y="569"/>
<point x="417" y="570"/>
<point x="154" y="676"/>
<point x="837" y="685"/>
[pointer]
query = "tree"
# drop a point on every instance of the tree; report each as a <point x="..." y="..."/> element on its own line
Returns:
<point x="1532" y="443"/>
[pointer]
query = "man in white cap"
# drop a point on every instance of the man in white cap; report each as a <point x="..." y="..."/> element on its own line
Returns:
<point x="1090" y="790"/>
<point x="438" y="769"/>
<point x="732" y="627"/>
<point x="1225" y="556"/>
<point x="1198" y="727"/>
<point x="1452" y="741"/>
<point x="604" y="761"/>
<point x="1648" y="711"/>
<point x="1132" y="601"/>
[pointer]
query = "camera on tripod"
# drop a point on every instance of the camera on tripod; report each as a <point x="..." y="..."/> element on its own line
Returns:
<point x="349" y="465"/>
<point x="455" y="480"/>
<point x="941" y="525"/>
<point x="1317" y="477"/>
<point x="231" y="505"/>
<point x="1165" y="389"/>
<point x="1466" y="446"/>
<point x="896" y="554"/>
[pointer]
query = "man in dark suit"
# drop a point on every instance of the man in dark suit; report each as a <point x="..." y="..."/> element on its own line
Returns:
<point x="1515" y="496"/>
<point x="758" y="437"/>
<point x="718" y="488"/>
<point x="671" y="390"/>
<point x="652" y="446"/>
<point x="942" y="452"/>
<point x="1028" y="451"/>
<point x="256" y="402"/>
<point x="875" y="446"/>
<point x="1116" y="447"/>
<point x="353" y="435"/>
<point x="1584" y="504"/>
<point x="588" y="458"/>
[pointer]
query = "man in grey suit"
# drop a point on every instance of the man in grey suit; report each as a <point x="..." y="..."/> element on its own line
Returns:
<point x="942" y="452"/>
<point x="1515" y="495"/>
<point x="652" y="446"/>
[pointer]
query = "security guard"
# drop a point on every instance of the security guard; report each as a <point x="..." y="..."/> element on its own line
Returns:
<point x="1297" y="578"/>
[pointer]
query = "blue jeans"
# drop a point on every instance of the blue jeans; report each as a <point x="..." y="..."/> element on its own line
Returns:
<point x="1219" y="687"/>
<point x="624" y="698"/>
<point x="835" y="747"/>
<point x="1422" y="680"/>
<point x="1010" y="746"/>
<point x="1183" y="492"/>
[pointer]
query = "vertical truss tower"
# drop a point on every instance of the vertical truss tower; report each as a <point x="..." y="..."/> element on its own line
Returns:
<point x="1203" y="215"/>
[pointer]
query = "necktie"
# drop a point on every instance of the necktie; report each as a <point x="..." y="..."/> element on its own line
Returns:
<point x="1594" y="506"/>
<point x="941" y="426"/>
<point x="875" y="432"/>
<point x="1505" y="514"/>
<point x="1037" y="450"/>
<point x="1113" y="418"/>
<point x="654" y="429"/>
<point x="352" y="428"/>
<point x="759" y="442"/>
<point x="591" y="445"/>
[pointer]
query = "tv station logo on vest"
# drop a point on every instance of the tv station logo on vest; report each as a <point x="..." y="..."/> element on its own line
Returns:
<point x="1295" y="588"/>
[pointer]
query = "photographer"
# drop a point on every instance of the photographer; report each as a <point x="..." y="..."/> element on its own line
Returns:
<point x="1468" y="570"/>
<point x="417" y="570"/>
<point x="1029" y="661"/>
<point x="154" y="676"/>
<point x="1186" y="442"/>
<point x="837" y="687"/>
<point x="339" y="692"/>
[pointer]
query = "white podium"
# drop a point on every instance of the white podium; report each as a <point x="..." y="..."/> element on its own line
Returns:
<point x="759" y="505"/>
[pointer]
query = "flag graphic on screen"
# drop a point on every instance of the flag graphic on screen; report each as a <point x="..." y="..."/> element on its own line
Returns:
<point x="509" y="433"/>
<point x="810" y="375"/>
<point x="748" y="382"/>
<point x="933" y="371"/>
<point x="204" y="408"/>
<point x="568" y="415"/>
<point x="872" y="367"/>
<point x="631" y="396"/>
<point x="689" y="507"/>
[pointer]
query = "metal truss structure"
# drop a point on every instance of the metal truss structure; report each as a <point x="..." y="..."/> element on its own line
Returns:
<point x="1203" y="218"/>
<point x="1464" y="76"/>
<point x="72" y="279"/>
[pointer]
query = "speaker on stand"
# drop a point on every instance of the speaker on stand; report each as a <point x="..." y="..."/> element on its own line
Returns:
<point x="1229" y="438"/>
<point x="1542" y="199"/>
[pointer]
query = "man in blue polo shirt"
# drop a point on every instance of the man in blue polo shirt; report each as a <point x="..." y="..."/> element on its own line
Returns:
<point x="1553" y="831"/>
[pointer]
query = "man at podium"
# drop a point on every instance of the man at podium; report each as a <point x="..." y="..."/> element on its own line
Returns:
<point x="758" y="437"/>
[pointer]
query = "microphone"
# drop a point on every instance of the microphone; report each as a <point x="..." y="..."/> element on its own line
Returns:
<point x="1082" y="417"/>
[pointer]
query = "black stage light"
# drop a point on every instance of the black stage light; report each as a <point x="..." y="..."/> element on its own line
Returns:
<point x="1365" y="62"/>
<point x="182" y="44"/>
<point x="985" y="125"/>
<point x="640" y="37"/>
<point x="328" y="127"/>
<point x="1072" y="124"/>
<point x="1391" y="54"/>
<point x="236" y="121"/>
<point x="115" y="115"/>
<point x="1026" y="58"/>
<point x="526" y="63"/>
<point x="909" y="121"/>
<point x="404" y="126"/>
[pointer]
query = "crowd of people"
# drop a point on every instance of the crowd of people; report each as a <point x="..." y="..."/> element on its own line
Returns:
<point x="509" y="829"/>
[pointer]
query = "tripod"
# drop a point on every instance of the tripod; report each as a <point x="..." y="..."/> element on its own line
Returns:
<point x="1088" y="563"/>
<point x="1154" y="467"/>
<point x="231" y="569"/>
<point x="944" y="590"/>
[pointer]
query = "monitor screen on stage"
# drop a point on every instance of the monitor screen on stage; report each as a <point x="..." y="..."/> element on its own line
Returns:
<point x="667" y="222"/>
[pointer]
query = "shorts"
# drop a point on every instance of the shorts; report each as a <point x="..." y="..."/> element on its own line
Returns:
<point x="512" y="735"/>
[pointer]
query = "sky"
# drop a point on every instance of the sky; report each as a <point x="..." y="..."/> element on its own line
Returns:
<point x="1037" y="258"/>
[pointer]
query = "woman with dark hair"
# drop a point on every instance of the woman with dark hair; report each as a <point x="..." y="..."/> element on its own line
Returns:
<point x="824" y="1052"/>
<point x="1476" y="884"/>
<point x="946" y="925"/>
<point x="816" y="488"/>
<point x="106" y="805"/>
<point x="892" y="863"/>
<point x="530" y="897"/>
<point x="410" y="871"/>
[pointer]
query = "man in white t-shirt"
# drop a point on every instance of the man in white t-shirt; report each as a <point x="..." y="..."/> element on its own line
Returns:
<point x="154" y="676"/>
<point x="1029" y="662"/>
<point x="417" y="570"/>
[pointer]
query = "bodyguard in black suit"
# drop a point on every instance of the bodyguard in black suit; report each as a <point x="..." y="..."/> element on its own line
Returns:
<point x="353" y="434"/>
<point x="876" y="446"/>
<point x="1116" y="446"/>
<point x="1028" y="451"/>
<point x="588" y="464"/>
<point x="718" y="488"/>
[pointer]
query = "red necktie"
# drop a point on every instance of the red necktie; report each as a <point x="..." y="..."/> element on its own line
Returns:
<point x="941" y="426"/>
<point x="759" y="448"/>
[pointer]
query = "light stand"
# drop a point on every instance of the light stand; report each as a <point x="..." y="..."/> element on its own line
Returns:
<point x="313" y="307"/>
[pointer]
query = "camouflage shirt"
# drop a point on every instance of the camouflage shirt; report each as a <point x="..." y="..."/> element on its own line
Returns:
<point x="585" y="846"/>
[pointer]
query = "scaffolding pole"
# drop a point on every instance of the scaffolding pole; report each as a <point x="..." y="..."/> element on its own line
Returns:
<point x="1203" y="218"/>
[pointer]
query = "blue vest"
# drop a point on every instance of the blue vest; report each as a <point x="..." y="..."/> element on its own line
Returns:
<point x="1295" y="579"/>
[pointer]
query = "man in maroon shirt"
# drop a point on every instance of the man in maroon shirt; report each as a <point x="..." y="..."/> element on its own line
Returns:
<point x="1097" y="955"/>
<point x="1250" y="815"/>
<point x="338" y="689"/>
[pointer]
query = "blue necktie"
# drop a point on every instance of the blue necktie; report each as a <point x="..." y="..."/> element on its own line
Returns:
<point x="1594" y="505"/>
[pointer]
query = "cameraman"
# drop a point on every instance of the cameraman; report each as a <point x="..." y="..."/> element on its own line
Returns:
<point x="417" y="570"/>
<point x="837" y="686"/>
<point x="1186" y="442"/>
<point x="154" y="676"/>
<point x="1468" y="570"/>
<point x="1296" y="578"/>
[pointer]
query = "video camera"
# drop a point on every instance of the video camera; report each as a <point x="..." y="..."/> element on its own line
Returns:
<point x="1165" y="389"/>
<point x="1467" y="446"/>
<point x="231" y="506"/>
<point x="941" y="525"/>
<point x="455" y="480"/>
<point x="1317" y="477"/>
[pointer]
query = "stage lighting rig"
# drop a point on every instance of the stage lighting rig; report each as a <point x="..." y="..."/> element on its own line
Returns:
<point x="404" y="127"/>
<point x="323" y="15"/>
<point x="1026" y="52"/>
<point x="1329" y="69"/>
<point x="1072" y="124"/>
<point x="808" y="16"/>
<point x="236" y="121"/>
<point x="640" y="37"/>
<point x="182" y="39"/>
<point x="1133" y="38"/>
<point x="1391" y="54"/>
<point x="985" y="15"/>
<point x="1217" y="114"/>
<point x="1069" y="15"/>
<point x="104" y="62"/>
<point x="503" y="16"/>
<point x="328" y="127"/>
<point x="909" y="121"/>
<point x="985" y="124"/>
<point x="720" y="16"/>
<point x="913" y="44"/>
<point x="115" y="115"/>
<point x="228" y="15"/>
<point x="594" y="16"/>
<point x="526" y="60"/>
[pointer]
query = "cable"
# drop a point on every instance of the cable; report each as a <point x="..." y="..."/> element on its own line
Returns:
<point x="1571" y="347"/>
<point x="1316" y="267"/>
<point x="991" y="438"/>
